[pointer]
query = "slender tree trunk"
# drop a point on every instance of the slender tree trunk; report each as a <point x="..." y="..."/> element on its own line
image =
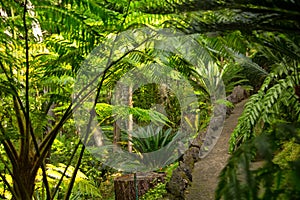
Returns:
<point x="130" y="119"/>
<point x="98" y="137"/>
<point x="117" y="134"/>
<point x="117" y="131"/>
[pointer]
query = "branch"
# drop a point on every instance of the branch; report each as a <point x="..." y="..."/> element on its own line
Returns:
<point x="9" y="148"/>
<point x="25" y="152"/>
<point x="66" y="169"/>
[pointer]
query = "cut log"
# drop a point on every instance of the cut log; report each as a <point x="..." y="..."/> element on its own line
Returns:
<point x="125" y="185"/>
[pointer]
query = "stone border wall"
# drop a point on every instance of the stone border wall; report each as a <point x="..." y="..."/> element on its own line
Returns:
<point x="182" y="175"/>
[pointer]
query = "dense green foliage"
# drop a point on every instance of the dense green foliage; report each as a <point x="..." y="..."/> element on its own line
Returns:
<point x="275" y="177"/>
<point x="43" y="44"/>
<point x="269" y="128"/>
<point x="276" y="98"/>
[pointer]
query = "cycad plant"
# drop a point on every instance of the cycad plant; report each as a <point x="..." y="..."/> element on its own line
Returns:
<point x="155" y="147"/>
<point x="149" y="139"/>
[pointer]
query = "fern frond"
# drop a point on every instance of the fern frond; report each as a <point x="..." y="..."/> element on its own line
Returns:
<point x="262" y="105"/>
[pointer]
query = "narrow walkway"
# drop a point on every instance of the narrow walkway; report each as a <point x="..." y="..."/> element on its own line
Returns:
<point x="207" y="170"/>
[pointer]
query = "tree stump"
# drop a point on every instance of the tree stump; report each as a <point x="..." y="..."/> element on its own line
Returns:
<point x="125" y="186"/>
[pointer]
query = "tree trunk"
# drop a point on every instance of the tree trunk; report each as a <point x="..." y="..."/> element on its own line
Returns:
<point x="130" y="119"/>
<point x="125" y="188"/>
<point x="117" y="134"/>
<point x="116" y="124"/>
<point x="24" y="181"/>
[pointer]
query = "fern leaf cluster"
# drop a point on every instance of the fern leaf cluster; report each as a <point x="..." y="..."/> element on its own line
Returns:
<point x="275" y="99"/>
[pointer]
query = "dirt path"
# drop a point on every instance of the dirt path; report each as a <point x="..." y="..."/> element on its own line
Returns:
<point x="206" y="171"/>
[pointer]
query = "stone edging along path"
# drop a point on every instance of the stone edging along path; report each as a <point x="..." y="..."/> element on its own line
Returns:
<point x="197" y="179"/>
<point x="206" y="171"/>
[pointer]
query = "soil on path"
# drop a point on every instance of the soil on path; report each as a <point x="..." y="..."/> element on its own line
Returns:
<point x="206" y="171"/>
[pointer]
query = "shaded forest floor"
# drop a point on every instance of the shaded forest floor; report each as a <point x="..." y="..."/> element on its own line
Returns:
<point x="206" y="171"/>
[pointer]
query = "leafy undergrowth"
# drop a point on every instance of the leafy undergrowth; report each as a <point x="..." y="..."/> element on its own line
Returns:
<point x="278" y="178"/>
<point x="159" y="191"/>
